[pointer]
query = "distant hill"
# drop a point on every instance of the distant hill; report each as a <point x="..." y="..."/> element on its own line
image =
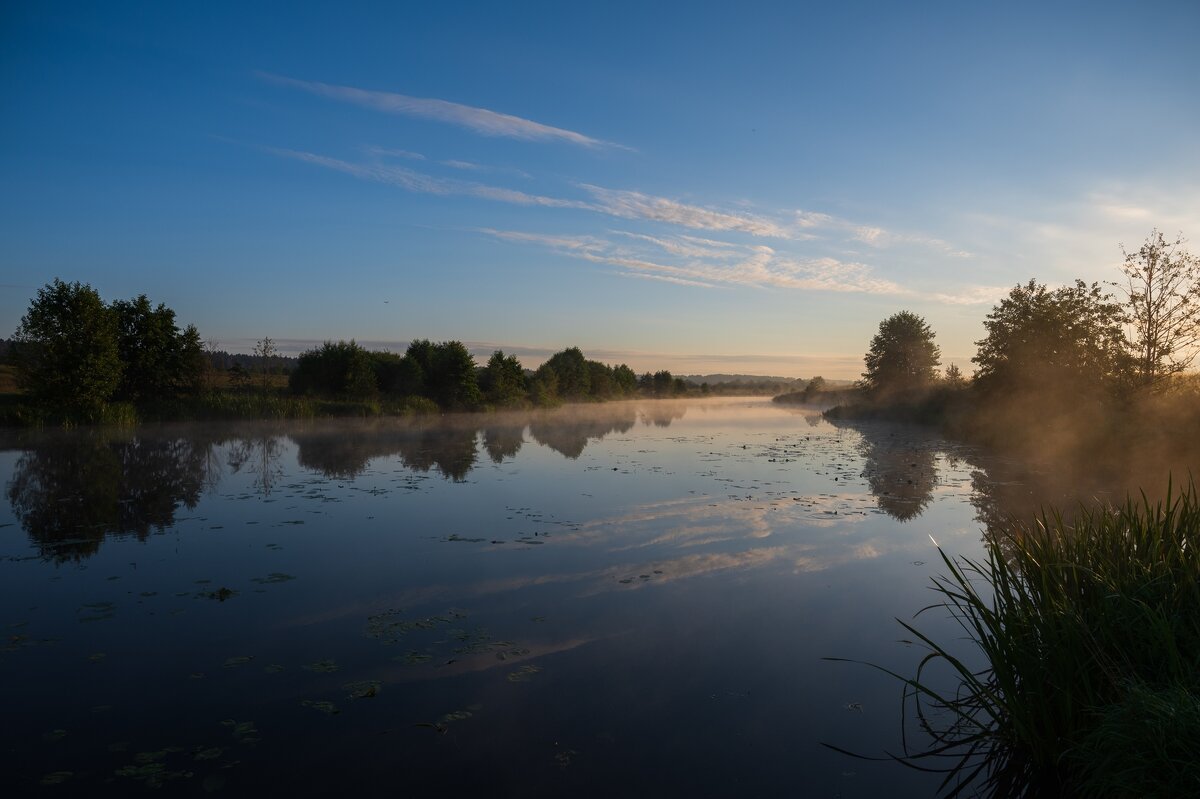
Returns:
<point x="713" y="380"/>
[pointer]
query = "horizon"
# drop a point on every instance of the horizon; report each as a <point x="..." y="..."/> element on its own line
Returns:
<point x="702" y="191"/>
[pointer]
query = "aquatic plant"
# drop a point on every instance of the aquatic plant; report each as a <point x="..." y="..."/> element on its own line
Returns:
<point x="1090" y="628"/>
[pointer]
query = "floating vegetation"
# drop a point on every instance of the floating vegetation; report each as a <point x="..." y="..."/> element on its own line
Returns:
<point x="244" y="732"/>
<point x="57" y="777"/>
<point x="515" y="652"/>
<point x="211" y="753"/>
<point x="323" y="666"/>
<point x="328" y="708"/>
<point x="273" y="577"/>
<point x="413" y="658"/>
<point x="456" y="537"/>
<point x="363" y="689"/>
<point x="118" y="746"/>
<point x="564" y="757"/>
<point x="524" y="674"/>
<point x="221" y="594"/>
<point x="96" y="657"/>
<point x="457" y="715"/>
<point x="389" y="627"/>
<point x="97" y="611"/>
<point x="54" y="735"/>
<point x="273" y="668"/>
<point x="240" y="660"/>
<point x="196" y="675"/>
<point x="154" y="775"/>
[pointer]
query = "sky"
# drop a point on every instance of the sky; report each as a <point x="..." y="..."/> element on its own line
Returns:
<point x="700" y="187"/>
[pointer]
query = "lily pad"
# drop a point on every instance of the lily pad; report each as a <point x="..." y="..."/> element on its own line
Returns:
<point x="364" y="689"/>
<point x="57" y="777"/>
<point x="524" y="674"/>
<point x="273" y="577"/>
<point x="323" y="666"/>
<point x="240" y="660"/>
<point x="328" y="708"/>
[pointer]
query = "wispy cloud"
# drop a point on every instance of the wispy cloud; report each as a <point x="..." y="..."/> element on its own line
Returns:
<point x="872" y="235"/>
<point x="389" y="152"/>
<point x="420" y="182"/>
<point x="480" y="120"/>
<point x="727" y="265"/>
<point x="635" y="205"/>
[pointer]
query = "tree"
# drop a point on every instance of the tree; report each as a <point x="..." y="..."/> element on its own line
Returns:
<point x="954" y="376"/>
<point x="813" y="388"/>
<point x="266" y="351"/>
<point x="66" y="348"/>
<point x="503" y="380"/>
<point x="1162" y="296"/>
<point x="343" y="370"/>
<point x="571" y="372"/>
<point x="1069" y="338"/>
<point x="902" y="357"/>
<point x="159" y="360"/>
<point x="451" y="380"/>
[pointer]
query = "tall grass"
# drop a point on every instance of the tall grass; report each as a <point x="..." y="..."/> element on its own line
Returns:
<point x="1091" y="633"/>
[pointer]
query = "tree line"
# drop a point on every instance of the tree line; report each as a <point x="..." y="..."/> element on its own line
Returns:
<point x="78" y="355"/>
<point x="1087" y="368"/>
<point x="1077" y="337"/>
<point x="445" y="374"/>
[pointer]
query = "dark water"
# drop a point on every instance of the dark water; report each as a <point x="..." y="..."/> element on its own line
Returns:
<point x="630" y="600"/>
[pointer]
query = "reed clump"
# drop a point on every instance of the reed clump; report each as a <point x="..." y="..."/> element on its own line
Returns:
<point x="1090" y="628"/>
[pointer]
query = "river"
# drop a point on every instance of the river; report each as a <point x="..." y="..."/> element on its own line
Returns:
<point x="630" y="599"/>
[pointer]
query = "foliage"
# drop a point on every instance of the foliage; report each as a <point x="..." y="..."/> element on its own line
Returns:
<point x="1162" y="293"/>
<point x="66" y="348"/>
<point x="450" y="377"/>
<point x="266" y="351"/>
<point x="902" y="357"/>
<point x="953" y="376"/>
<point x="159" y="359"/>
<point x="571" y="374"/>
<point x="812" y="388"/>
<point x="343" y="370"/>
<point x="503" y="380"/>
<point x="1070" y="338"/>
<point x="1087" y="627"/>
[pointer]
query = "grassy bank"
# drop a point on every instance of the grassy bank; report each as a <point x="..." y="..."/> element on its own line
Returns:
<point x="1091" y="633"/>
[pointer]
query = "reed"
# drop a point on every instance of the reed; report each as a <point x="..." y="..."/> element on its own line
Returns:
<point x="1090" y="629"/>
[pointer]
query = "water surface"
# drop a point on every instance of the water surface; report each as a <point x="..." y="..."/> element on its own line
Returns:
<point x="631" y="599"/>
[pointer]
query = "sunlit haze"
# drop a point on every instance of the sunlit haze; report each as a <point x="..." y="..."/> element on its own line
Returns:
<point x="744" y="188"/>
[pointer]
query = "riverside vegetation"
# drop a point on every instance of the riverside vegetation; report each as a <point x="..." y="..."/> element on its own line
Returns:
<point x="79" y="360"/>
<point x="1089" y="623"/>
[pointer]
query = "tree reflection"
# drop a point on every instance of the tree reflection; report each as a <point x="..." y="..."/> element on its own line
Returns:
<point x="900" y="468"/>
<point x="568" y="433"/>
<point x="70" y="491"/>
<point x="345" y="451"/>
<point x="260" y="456"/>
<point x="503" y="440"/>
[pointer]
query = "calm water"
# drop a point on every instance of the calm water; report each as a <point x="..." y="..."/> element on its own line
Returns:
<point x="630" y="600"/>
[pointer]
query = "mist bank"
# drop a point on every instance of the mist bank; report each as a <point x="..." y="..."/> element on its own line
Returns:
<point x="1150" y="432"/>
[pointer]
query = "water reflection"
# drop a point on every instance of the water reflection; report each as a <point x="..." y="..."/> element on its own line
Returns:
<point x="72" y="490"/>
<point x="569" y="435"/>
<point x="900" y="466"/>
<point x="503" y="440"/>
<point x="345" y="450"/>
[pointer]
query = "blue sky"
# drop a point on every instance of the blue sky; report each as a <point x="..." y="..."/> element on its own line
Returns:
<point x="700" y="187"/>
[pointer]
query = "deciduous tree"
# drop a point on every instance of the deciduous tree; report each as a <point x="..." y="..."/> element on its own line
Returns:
<point x="1162" y="297"/>
<point x="902" y="357"/>
<point x="66" y="348"/>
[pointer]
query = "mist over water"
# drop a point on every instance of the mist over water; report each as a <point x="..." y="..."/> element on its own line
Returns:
<point x="622" y="599"/>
